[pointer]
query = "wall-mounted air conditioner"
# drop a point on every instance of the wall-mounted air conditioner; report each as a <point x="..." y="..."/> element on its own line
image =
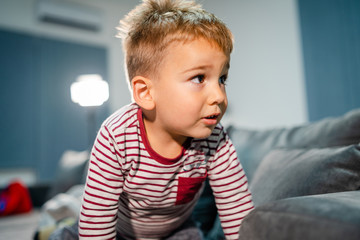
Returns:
<point x="69" y="14"/>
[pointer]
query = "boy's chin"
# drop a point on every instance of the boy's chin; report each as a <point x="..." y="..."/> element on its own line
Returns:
<point x="203" y="134"/>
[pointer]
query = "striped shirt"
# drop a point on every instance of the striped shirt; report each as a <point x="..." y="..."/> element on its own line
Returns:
<point x="134" y="192"/>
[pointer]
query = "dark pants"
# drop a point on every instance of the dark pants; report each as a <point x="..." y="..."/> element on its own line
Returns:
<point x="188" y="231"/>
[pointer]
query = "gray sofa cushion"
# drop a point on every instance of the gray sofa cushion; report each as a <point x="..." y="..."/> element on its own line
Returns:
<point x="288" y="173"/>
<point x="330" y="216"/>
<point x="71" y="170"/>
<point x="252" y="145"/>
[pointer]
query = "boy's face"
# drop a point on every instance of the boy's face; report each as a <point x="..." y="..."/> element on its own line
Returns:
<point x="189" y="91"/>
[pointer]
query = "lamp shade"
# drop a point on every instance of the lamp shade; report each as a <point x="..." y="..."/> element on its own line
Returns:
<point x="89" y="90"/>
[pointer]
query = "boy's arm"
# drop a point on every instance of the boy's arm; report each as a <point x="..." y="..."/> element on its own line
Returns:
<point x="102" y="190"/>
<point x="229" y="184"/>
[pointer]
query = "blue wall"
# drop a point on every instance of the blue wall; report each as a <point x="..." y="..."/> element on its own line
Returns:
<point x="38" y="120"/>
<point x="330" y="32"/>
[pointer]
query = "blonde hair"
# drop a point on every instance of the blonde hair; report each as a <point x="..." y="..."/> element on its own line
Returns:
<point x="153" y="25"/>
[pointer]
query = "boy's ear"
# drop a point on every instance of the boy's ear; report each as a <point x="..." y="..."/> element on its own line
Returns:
<point x="141" y="88"/>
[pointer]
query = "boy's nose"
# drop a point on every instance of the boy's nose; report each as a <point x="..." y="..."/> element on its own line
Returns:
<point x="217" y="94"/>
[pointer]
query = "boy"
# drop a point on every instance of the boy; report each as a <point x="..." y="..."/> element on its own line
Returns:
<point x="151" y="158"/>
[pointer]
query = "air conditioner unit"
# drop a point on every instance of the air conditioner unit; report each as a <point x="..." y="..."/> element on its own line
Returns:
<point x="69" y="14"/>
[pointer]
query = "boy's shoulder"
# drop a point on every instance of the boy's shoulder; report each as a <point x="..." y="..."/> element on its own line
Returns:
<point x="123" y="118"/>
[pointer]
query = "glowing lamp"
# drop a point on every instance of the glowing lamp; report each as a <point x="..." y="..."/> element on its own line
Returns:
<point x="89" y="90"/>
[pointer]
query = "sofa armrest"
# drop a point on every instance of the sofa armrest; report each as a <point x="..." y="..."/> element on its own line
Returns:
<point x="326" y="216"/>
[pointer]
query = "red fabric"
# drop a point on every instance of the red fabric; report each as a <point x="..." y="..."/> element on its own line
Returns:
<point x="187" y="189"/>
<point x="15" y="199"/>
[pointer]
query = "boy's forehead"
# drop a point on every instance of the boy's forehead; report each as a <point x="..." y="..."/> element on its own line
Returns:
<point x="203" y="42"/>
<point x="197" y="53"/>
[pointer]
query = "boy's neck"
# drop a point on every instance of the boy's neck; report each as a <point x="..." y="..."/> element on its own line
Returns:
<point x="162" y="142"/>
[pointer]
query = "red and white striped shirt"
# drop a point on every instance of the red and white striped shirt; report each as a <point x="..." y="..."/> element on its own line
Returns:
<point x="136" y="193"/>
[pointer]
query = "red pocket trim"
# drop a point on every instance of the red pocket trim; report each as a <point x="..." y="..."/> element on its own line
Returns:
<point x="187" y="189"/>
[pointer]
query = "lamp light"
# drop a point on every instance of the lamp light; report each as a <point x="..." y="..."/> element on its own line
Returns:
<point x="89" y="90"/>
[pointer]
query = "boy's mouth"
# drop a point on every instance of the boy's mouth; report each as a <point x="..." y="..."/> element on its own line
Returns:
<point x="214" y="116"/>
<point x="211" y="120"/>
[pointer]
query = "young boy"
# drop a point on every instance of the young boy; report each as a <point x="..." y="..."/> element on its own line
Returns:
<point x="151" y="158"/>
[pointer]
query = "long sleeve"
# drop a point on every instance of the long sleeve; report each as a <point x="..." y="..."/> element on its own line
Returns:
<point x="103" y="187"/>
<point x="230" y="188"/>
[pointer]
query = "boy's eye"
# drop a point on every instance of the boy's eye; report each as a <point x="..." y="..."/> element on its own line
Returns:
<point x="222" y="79"/>
<point x="198" y="79"/>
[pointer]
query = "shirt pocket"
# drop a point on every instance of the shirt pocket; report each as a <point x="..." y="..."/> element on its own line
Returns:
<point x="187" y="188"/>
